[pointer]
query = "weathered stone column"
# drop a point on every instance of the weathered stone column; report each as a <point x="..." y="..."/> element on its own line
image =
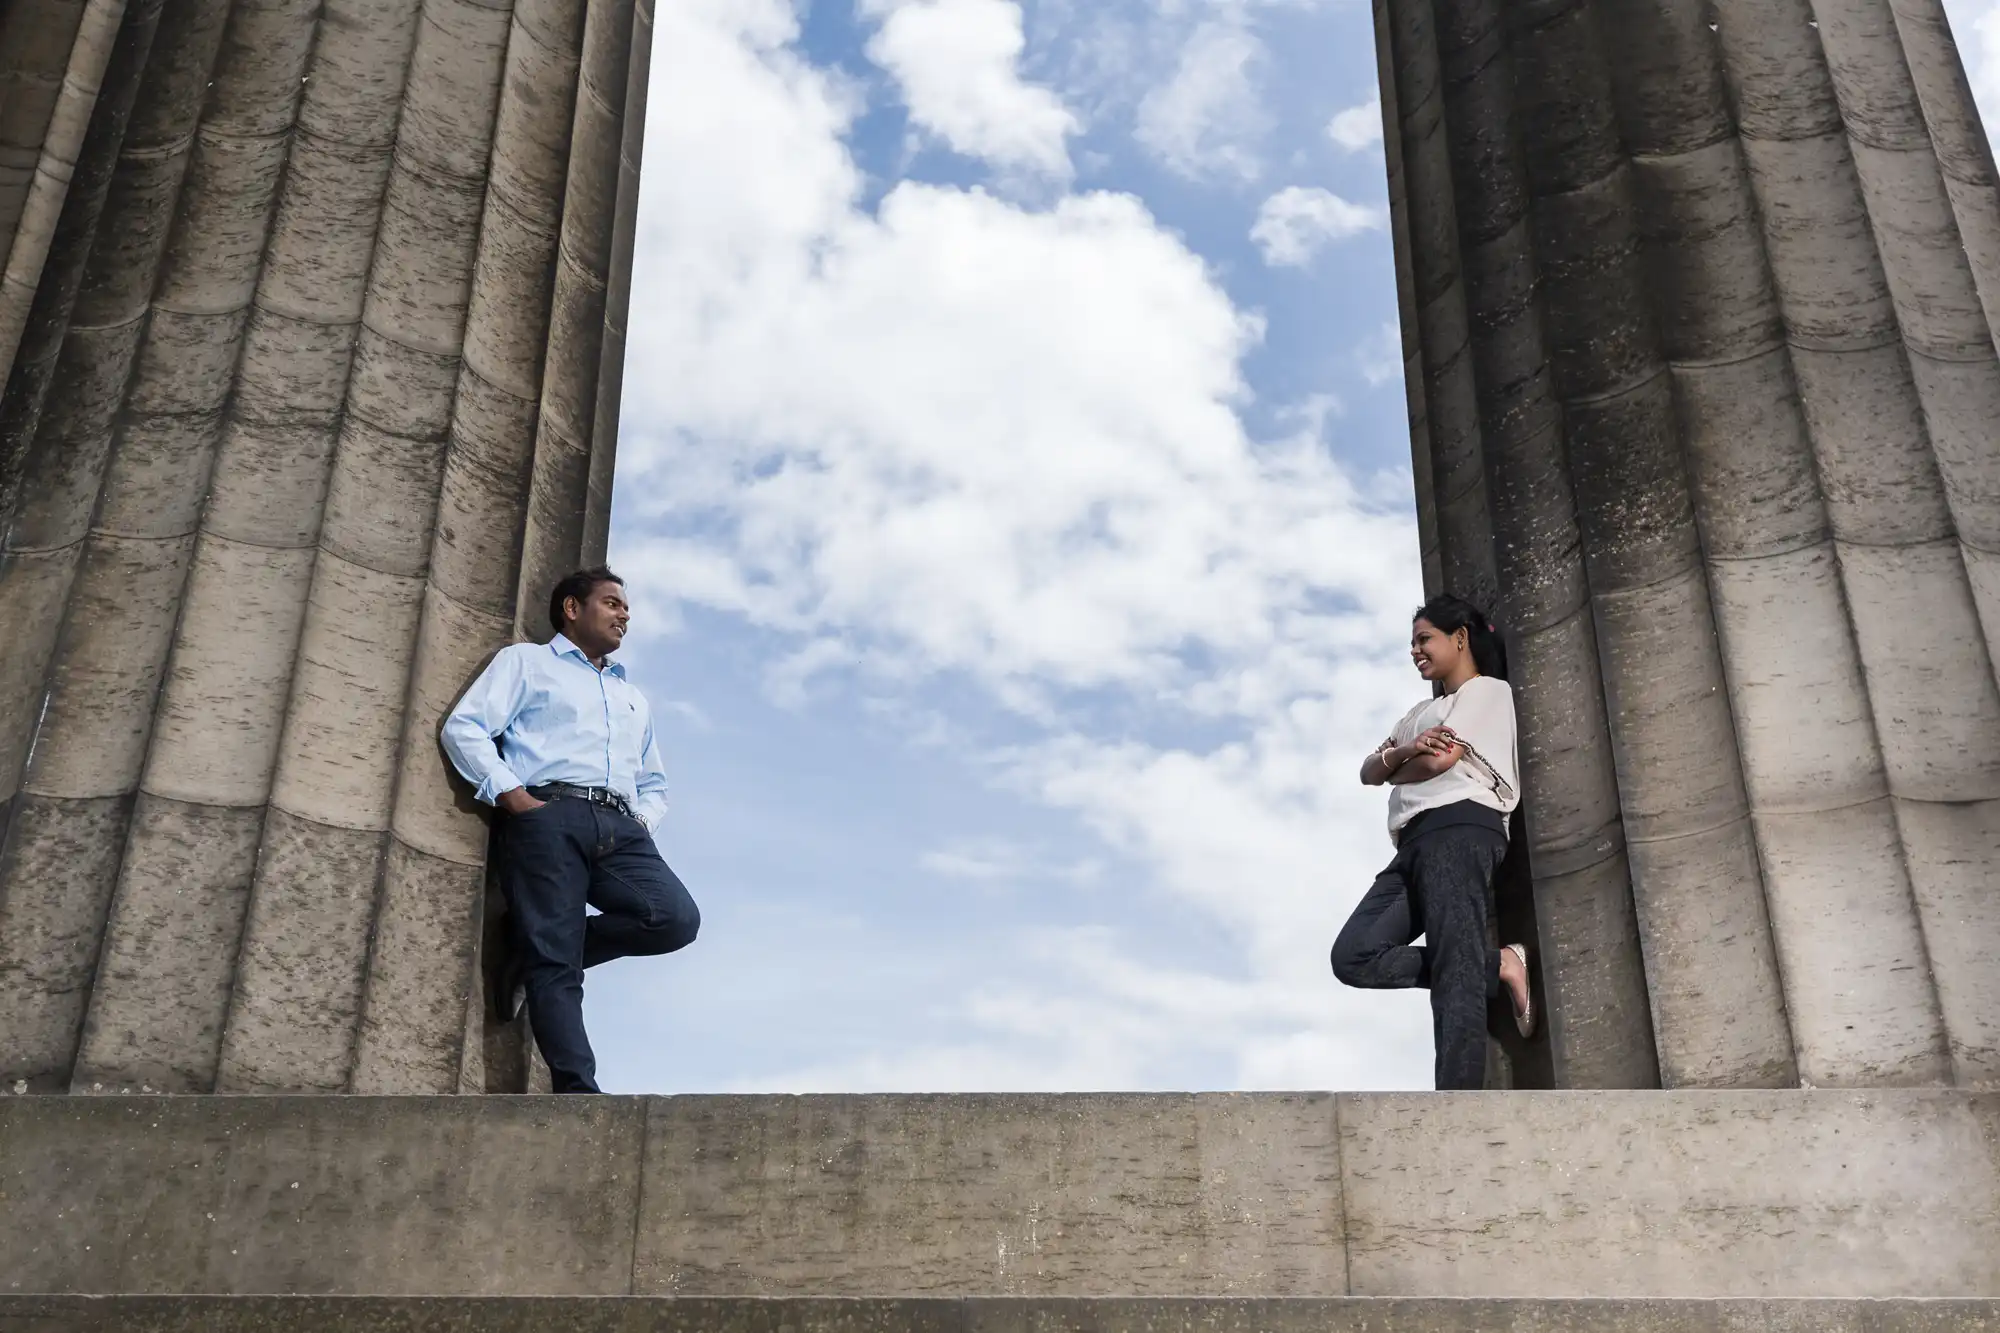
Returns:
<point x="319" y="302"/>
<point x="55" y="130"/>
<point x="1760" y="235"/>
<point x="1857" y="985"/>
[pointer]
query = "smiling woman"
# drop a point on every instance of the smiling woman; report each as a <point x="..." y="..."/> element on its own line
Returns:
<point x="1454" y="778"/>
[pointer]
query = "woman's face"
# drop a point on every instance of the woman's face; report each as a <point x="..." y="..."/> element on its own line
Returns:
<point x="1435" y="653"/>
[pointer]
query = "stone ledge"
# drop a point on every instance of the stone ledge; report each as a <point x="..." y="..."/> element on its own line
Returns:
<point x="1564" y="1194"/>
<point x="1001" y="1314"/>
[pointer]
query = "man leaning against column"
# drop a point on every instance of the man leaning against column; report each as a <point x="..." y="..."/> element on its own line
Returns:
<point x="555" y="737"/>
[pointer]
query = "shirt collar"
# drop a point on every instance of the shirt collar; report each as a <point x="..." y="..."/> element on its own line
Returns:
<point x="562" y="647"/>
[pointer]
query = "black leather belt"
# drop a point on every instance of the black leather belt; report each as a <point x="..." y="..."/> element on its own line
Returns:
<point x="563" y="791"/>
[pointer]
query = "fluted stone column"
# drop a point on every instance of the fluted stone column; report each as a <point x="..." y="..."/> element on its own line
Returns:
<point x="1762" y="257"/>
<point x="120" y="363"/>
<point x="342" y="352"/>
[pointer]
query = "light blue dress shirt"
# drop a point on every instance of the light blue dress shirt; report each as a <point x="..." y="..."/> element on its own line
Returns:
<point x="541" y="713"/>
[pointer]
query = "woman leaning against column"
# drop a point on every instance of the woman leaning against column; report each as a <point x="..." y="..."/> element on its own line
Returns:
<point x="1452" y="774"/>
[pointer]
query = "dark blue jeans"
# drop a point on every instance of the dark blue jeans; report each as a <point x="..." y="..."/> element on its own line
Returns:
<point x="553" y="861"/>
<point x="1436" y="887"/>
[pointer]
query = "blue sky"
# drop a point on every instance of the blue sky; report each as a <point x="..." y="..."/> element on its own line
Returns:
<point x="1014" y="492"/>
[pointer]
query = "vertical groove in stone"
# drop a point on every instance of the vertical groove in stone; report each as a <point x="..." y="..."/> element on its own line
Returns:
<point x="1964" y="153"/>
<point x="1858" y="989"/>
<point x="96" y="36"/>
<point x="419" y="989"/>
<point x="376" y="163"/>
<point x="1931" y="280"/>
<point x="1929" y="679"/>
<point x="170" y="943"/>
<point x="1406" y="304"/>
<point x="1458" y="477"/>
<point x="37" y="38"/>
<point x="1592" y="967"/>
<point x="569" y="506"/>
<point x="1450" y="392"/>
<point x="63" y="847"/>
<point x="86" y="327"/>
<point x="1712" y="974"/>
<point x="50" y="464"/>
<point x="552" y="539"/>
<point x="636" y="64"/>
<point x="1957" y="374"/>
<point x="44" y="340"/>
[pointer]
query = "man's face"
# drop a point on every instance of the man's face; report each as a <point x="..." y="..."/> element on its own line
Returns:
<point x="597" y="624"/>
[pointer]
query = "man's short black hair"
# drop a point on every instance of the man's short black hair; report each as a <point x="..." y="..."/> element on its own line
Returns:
<point x="578" y="585"/>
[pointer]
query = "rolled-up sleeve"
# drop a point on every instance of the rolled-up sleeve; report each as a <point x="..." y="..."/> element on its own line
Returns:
<point x="482" y="714"/>
<point x="652" y="783"/>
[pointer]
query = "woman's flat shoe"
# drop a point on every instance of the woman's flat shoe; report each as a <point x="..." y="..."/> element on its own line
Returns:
<point x="1524" y="1018"/>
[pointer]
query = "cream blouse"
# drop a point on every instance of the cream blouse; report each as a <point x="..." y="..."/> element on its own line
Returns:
<point x="1480" y="713"/>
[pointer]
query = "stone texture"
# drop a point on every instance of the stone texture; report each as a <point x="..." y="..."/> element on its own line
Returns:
<point x="1761" y="243"/>
<point x="1876" y="1194"/>
<point x="249" y="394"/>
<point x="135" y="1314"/>
<point x="256" y="1194"/>
<point x="1074" y="1194"/>
<point x="1739" y="1194"/>
<point x="313" y="317"/>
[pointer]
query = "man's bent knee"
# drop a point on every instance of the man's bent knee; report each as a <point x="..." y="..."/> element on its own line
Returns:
<point x="686" y="929"/>
<point x="673" y="934"/>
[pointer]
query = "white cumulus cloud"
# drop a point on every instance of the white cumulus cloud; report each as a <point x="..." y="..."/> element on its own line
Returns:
<point x="1298" y="221"/>
<point x="957" y="63"/>
<point x="955" y="436"/>
<point x="1358" y="128"/>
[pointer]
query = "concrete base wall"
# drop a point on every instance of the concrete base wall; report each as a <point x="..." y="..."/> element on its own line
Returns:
<point x="1546" y="1195"/>
<point x="363" y="1314"/>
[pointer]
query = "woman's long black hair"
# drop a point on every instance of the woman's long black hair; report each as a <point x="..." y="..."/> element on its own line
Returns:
<point x="1450" y="614"/>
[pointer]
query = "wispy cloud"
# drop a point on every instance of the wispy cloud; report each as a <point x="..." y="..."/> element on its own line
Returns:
<point x="1207" y="118"/>
<point x="999" y="860"/>
<point x="1298" y="221"/>
<point x="1379" y="358"/>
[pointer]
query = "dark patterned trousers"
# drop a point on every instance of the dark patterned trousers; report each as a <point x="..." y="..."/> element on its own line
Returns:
<point x="1436" y="887"/>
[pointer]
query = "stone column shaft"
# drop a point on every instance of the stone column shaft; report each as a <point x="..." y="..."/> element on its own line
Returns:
<point x="1759" y="273"/>
<point x="1859" y="996"/>
<point x="37" y="44"/>
<point x="392" y="206"/>
<point x="421" y="995"/>
<point x="1862" y="370"/>
<point x="356" y="257"/>
<point x="1718" y="1009"/>
<point x="60" y="142"/>
<point x="1592" y="967"/>
<point x="1458" y="478"/>
<point x="51" y="899"/>
<point x="172" y="940"/>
